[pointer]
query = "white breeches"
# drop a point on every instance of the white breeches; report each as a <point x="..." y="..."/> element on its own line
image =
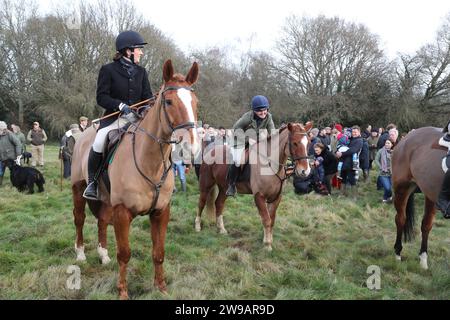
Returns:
<point x="100" y="138"/>
<point x="237" y="154"/>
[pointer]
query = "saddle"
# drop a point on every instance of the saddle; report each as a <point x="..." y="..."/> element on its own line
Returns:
<point x="112" y="142"/>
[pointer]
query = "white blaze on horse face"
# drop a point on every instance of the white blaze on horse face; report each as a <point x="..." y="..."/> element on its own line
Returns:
<point x="186" y="98"/>
<point x="305" y="144"/>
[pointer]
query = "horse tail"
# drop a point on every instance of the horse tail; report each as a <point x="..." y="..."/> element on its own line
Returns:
<point x="408" y="230"/>
<point x="210" y="203"/>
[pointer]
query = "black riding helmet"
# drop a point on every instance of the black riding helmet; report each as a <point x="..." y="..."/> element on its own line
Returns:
<point x="129" y="39"/>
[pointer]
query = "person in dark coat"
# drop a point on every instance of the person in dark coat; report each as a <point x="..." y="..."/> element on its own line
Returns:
<point x="364" y="158"/>
<point x="120" y="84"/>
<point x="355" y="146"/>
<point x="10" y="148"/>
<point x="329" y="164"/>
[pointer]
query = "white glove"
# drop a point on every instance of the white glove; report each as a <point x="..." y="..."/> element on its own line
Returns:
<point x="17" y="161"/>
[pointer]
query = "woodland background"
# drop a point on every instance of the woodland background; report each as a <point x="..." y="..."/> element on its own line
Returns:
<point x="323" y="69"/>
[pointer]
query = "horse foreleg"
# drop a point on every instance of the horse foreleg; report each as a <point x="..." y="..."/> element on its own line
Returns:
<point x="272" y="207"/>
<point x="220" y="203"/>
<point x="427" y="224"/>
<point x="79" y="216"/>
<point x="400" y="201"/>
<point x="122" y="219"/>
<point x="260" y="202"/>
<point x="104" y="217"/>
<point x="201" y="205"/>
<point x="159" y="222"/>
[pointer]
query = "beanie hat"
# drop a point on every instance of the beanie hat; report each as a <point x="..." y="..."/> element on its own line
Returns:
<point x="338" y="127"/>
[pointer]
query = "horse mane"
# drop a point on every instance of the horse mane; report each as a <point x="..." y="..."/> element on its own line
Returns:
<point x="280" y="130"/>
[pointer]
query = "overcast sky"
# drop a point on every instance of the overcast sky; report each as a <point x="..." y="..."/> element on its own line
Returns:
<point x="402" y="25"/>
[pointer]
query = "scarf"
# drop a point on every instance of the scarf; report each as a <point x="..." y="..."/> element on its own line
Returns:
<point x="128" y="66"/>
<point x="385" y="160"/>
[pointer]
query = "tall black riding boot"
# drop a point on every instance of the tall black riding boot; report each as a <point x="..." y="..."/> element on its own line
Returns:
<point x="232" y="177"/>
<point x="94" y="162"/>
<point x="443" y="202"/>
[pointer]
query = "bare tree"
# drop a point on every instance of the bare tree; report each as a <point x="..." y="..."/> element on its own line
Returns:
<point x="17" y="76"/>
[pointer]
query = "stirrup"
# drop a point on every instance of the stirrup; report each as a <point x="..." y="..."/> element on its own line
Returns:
<point x="231" y="191"/>
<point x="91" y="196"/>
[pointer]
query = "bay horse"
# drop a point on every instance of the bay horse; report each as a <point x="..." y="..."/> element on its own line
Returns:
<point x="266" y="189"/>
<point x="416" y="162"/>
<point x="141" y="176"/>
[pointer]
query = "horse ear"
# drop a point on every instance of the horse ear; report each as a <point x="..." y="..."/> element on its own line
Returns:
<point x="308" y="126"/>
<point x="167" y="70"/>
<point x="192" y="75"/>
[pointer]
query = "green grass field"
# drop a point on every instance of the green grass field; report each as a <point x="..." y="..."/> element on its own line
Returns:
<point x="322" y="249"/>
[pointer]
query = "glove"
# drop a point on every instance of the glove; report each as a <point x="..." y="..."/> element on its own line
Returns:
<point x="17" y="161"/>
<point x="124" y="108"/>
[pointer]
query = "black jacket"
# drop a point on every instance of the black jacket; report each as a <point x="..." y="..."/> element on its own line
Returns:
<point x="354" y="146"/>
<point x="329" y="162"/>
<point x="115" y="86"/>
<point x="364" y="155"/>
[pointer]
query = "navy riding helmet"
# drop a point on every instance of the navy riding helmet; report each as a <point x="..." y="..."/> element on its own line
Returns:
<point x="129" y="39"/>
<point x="260" y="102"/>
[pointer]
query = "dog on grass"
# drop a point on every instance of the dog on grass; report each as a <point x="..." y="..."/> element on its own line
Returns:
<point x="25" y="177"/>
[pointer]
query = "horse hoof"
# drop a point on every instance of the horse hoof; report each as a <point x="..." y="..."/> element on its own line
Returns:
<point x="198" y="225"/>
<point x="103" y="254"/>
<point x="81" y="257"/>
<point x="106" y="260"/>
<point x="161" y="287"/>
<point x="223" y="231"/>
<point x="268" y="247"/>
<point x="123" y="296"/>
<point x="398" y="258"/>
<point x="80" y="253"/>
<point x="424" y="260"/>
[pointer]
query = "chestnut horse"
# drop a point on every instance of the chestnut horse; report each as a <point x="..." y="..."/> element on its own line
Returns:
<point x="266" y="189"/>
<point x="141" y="177"/>
<point x="416" y="162"/>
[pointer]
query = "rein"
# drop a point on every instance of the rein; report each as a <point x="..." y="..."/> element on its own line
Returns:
<point x="161" y="142"/>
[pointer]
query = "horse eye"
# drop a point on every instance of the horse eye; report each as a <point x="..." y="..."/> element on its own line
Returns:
<point x="168" y="102"/>
<point x="295" y="144"/>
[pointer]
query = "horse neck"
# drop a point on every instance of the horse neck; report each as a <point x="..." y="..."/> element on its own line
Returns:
<point x="155" y="124"/>
<point x="282" y="142"/>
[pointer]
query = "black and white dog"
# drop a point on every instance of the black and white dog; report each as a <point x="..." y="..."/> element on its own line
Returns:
<point x="25" y="177"/>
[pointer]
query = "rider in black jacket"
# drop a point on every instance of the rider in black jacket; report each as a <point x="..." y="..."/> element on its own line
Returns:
<point x="120" y="84"/>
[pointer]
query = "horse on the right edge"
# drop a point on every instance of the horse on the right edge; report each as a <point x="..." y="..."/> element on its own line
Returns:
<point x="416" y="162"/>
